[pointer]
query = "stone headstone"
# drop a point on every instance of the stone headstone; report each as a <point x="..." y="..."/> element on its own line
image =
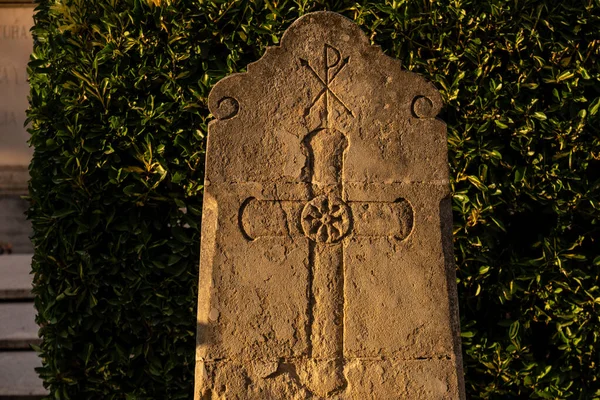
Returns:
<point x="327" y="268"/>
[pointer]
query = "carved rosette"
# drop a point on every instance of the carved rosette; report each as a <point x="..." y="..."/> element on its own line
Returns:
<point x="326" y="219"/>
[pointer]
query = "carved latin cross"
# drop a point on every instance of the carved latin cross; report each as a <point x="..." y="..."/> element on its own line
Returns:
<point x="326" y="267"/>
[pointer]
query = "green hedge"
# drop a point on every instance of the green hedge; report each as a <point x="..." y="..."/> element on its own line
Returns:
<point x="118" y="121"/>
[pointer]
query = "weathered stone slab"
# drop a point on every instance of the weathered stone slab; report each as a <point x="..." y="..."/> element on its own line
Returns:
<point x="327" y="269"/>
<point x="18" y="329"/>
<point x="18" y="379"/>
<point x="15" y="278"/>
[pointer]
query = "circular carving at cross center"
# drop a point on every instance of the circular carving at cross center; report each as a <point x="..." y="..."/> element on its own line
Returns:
<point x="326" y="219"/>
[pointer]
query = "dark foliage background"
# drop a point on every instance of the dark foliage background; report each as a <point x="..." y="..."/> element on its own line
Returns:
<point x="118" y="114"/>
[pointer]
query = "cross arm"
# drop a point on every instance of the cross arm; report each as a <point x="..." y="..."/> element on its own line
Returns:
<point x="278" y="218"/>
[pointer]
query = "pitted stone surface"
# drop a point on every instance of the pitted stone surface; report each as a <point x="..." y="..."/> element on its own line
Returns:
<point x="327" y="269"/>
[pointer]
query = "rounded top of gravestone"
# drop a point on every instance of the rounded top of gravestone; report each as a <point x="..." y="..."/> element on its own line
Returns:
<point x="313" y="24"/>
<point x="326" y="75"/>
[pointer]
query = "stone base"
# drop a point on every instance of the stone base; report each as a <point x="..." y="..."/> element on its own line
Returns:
<point x="363" y="379"/>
